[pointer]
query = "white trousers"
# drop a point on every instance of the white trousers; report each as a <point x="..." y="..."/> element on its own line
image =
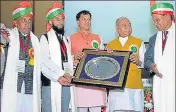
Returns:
<point x="24" y="101"/>
<point x="89" y="109"/>
<point x="129" y="99"/>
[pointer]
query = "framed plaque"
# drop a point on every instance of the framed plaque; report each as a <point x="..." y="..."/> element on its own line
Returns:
<point x="102" y="69"/>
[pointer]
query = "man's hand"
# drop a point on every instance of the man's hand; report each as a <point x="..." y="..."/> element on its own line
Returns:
<point x="75" y="63"/>
<point x="134" y="58"/>
<point x="5" y="34"/>
<point x="63" y="81"/>
<point x="155" y="70"/>
<point x="78" y="55"/>
<point x="109" y="50"/>
<point x="68" y="77"/>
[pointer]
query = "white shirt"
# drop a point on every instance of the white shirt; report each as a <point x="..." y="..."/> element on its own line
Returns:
<point x="48" y="67"/>
<point x="142" y="49"/>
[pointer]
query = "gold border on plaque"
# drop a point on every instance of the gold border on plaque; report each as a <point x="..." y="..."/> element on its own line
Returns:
<point x="108" y="83"/>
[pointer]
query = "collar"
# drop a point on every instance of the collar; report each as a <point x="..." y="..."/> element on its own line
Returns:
<point x="24" y="35"/>
<point x="123" y="38"/>
<point x="169" y="30"/>
<point x="84" y="34"/>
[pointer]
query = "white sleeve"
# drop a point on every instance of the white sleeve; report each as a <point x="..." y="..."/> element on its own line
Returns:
<point x="142" y="51"/>
<point x="48" y="67"/>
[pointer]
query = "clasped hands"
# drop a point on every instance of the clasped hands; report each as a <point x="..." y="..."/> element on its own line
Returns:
<point x="65" y="80"/>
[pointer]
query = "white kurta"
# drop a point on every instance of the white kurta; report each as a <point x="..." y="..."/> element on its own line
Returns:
<point x="164" y="88"/>
<point x="54" y="59"/>
<point x="9" y="98"/>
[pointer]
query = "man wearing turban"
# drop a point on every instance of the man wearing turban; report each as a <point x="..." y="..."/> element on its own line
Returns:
<point x="21" y="84"/>
<point x="160" y="57"/>
<point x="57" y="64"/>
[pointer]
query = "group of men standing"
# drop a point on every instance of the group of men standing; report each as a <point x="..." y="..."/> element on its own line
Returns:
<point x="56" y="58"/>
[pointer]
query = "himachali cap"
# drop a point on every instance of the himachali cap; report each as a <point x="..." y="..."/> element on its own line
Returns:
<point x="161" y="8"/>
<point x="57" y="9"/>
<point x="23" y="9"/>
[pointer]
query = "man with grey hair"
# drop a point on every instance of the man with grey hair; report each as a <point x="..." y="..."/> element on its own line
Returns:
<point x="132" y="98"/>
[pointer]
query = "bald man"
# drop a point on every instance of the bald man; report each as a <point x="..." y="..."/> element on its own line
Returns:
<point x="132" y="99"/>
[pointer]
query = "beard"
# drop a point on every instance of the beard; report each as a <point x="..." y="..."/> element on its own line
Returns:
<point x="58" y="30"/>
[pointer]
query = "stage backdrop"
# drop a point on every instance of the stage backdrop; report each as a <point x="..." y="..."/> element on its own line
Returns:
<point x="105" y="13"/>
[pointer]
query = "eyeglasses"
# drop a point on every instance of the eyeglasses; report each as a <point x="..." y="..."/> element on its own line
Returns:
<point x="24" y="20"/>
<point x="159" y="19"/>
<point x="125" y="26"/>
